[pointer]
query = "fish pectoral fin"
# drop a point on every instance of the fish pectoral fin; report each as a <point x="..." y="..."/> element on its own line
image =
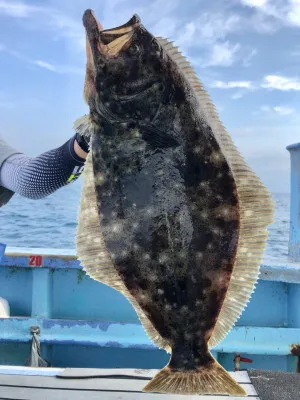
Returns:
<point x="84" y="126"/>
<point x="211" y="379"/>
<point x="157" y="138"/>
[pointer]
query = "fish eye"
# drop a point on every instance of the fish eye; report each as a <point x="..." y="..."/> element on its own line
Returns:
<point x="134" y="49"/>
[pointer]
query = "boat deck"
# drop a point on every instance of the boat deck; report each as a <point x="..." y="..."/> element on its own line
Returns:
<point x="88" y="384"/>
<point x="24" y="383"/>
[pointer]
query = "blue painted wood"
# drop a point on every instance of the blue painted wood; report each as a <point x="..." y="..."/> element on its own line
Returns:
<point x="2" y="250"/>
<point x="52" y="258"/>
<point x="85" y="323"/>
<point x="294" y="242"/>
<point x="41" y="293"/>
<point x="252" y="340"/>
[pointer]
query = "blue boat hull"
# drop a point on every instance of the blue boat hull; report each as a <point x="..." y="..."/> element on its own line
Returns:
<point x="84" y="323"/>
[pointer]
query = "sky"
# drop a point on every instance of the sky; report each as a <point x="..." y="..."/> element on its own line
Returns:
<point x="246" y="53"/>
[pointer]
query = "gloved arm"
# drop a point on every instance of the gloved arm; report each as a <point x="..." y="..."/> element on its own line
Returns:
<point x="41" y="176"/>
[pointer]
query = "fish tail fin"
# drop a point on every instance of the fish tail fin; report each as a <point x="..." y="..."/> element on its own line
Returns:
<point x="211" y="379"/>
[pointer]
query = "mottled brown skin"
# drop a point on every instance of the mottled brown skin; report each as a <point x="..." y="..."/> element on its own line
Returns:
<point x="167" y="198"/>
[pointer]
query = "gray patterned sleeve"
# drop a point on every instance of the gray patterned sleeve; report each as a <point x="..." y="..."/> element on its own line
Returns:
<point x="41" y="176"/>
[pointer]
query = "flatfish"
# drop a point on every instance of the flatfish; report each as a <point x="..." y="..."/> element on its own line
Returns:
<point x="171" y="215"/>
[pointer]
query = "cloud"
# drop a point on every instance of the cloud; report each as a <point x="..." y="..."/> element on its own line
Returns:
<point x="231" y="84"/>
<point x="46" y="18"/>
<point x="276" y="82"/>
<point x="59" y="69"/>
<point x="45" y="65"/>
<point x="255" y="3"/>
<point x="242" y="86"/>
<point x="212" y="26"/>
<point x="281" y="83"/>
<point x="280" y="110"/>
<point x="248" y="58"/>
<point x="238" y="95"/>
<point x="222" y="55"/>
<point x="284" y="12"/>
<point x="56" y="68"/>
<point x="293" y="14"/>
<point x="17" y="9"/>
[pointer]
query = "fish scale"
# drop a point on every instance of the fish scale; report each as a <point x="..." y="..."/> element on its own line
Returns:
<point x="168" y="206"/>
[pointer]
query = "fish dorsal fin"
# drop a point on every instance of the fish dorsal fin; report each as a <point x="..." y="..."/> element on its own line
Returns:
<point x="256" y="207"/>
<point x="91" y="250"/>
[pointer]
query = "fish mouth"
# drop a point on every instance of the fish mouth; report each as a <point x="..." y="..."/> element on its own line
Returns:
<point x="109" y="42"/>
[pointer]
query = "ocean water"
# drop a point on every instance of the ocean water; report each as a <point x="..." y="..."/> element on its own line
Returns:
<point x="51" y="222"/>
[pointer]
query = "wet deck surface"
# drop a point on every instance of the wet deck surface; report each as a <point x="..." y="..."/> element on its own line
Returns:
<point x="92" y="384"/>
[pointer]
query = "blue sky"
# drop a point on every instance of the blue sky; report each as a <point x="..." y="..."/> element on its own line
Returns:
<point x="246" y="52"/>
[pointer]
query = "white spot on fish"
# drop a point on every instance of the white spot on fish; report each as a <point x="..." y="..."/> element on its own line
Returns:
<point x="248" y="213"/>
<point x="135" y="225"/>
<point x="216" y="231"/>
<point x="152" y="277"/>
<point x="225" y="211"/>
<point x="160" y="291"/>
<point x="219" y="175"/>
<point x="204" y="184"/>
<point x="197" y="150"/>
<point x="147" y="256"/>
<point x="199" y="255"/>
<point x="184" y="309"/>
<point x="168" y="307"/>
<point x="136" y="133"/>
<point x="100" y="179"/>
<point x="116" y="227"/>
<point x="163" y="258"/>
<point x="204" y="214"/>
<point x="149" y="210"/>
<point x="216" y="157"/>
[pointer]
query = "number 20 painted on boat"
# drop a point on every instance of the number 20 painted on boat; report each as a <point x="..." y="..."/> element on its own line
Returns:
<point x="35" y="261"/>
